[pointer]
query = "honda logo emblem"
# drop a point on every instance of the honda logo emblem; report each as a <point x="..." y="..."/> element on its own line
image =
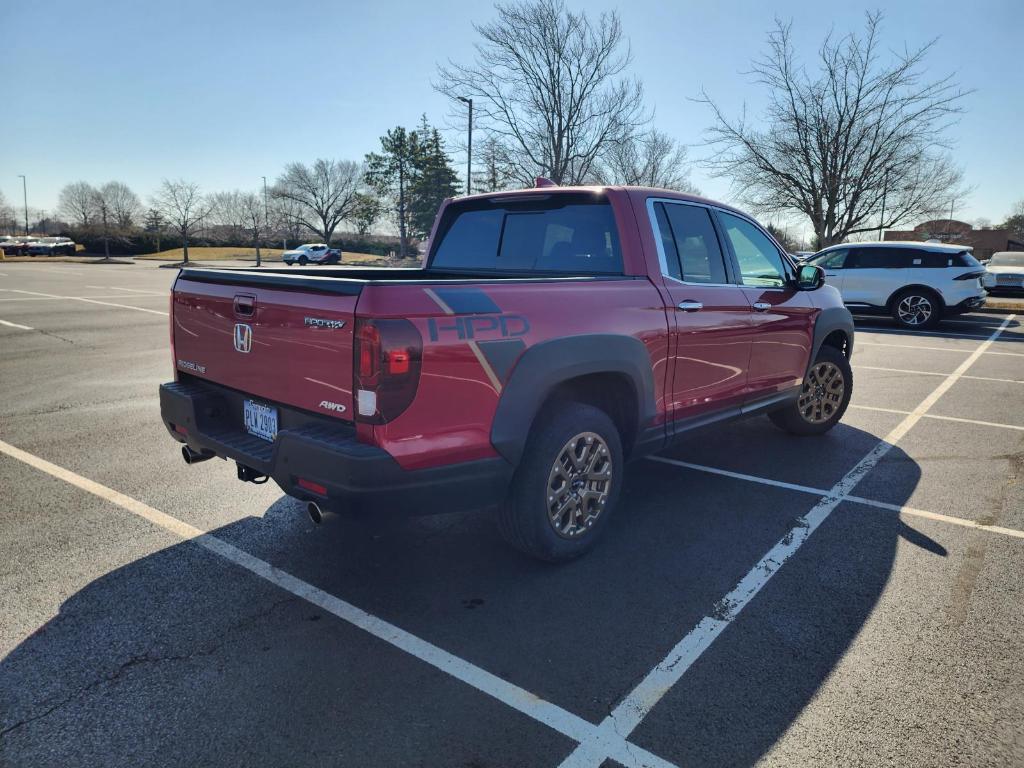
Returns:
<point x="243" y="337"/>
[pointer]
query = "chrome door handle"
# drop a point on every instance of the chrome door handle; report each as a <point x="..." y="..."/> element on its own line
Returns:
<point x="761" y="306"/>
<point x="690" y="306"/>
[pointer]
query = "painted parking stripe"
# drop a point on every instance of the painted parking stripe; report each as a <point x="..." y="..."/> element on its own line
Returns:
<point x="925" y="334"/>
<point x="861" y="343"/>
<point x="101" y="296"/>
<point x="936" y="416"/>
<point x="934" y="373"/>
<point x="15" y="325"/>
<point x="635" y="706"/>
<point x="519" y="699"/>
<point x="93" y="301"/>
<point x="901" y="509"/>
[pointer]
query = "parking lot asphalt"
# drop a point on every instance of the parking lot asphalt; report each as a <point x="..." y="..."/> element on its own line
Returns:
<point x="853" y="599"/>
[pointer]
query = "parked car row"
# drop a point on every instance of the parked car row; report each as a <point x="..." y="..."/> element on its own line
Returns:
<point x="38" y="246"/>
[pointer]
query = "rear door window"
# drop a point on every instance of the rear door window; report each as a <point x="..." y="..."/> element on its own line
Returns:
<point x="559" y="234"/>
<point x="695" y="244"/>
<point x="882" y="258"/>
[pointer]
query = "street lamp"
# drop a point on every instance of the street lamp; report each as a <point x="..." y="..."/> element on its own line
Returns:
<point x="24" y="192"/>
<point x="469" y="153"/>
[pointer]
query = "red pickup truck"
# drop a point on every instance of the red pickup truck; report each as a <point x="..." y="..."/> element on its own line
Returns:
<point x="553" y="334"/>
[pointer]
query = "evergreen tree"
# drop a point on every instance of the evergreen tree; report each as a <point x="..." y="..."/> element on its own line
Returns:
<point x="392" y="173"/>
<point x="435" y="180"/>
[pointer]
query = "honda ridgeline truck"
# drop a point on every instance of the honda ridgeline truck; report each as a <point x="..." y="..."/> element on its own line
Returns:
<point x="552" y="335"/>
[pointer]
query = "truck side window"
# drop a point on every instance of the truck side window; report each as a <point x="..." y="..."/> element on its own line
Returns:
<point x="696" y="243"/>
<point x="759" y="260"/>
<point x="668" y="243"/>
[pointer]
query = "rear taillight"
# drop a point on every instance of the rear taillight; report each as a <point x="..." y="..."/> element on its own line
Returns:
<point x="387" y="368"/>
<point x="969" y="276"/>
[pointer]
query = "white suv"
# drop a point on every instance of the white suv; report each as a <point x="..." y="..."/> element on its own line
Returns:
<point x="916" y="283"/>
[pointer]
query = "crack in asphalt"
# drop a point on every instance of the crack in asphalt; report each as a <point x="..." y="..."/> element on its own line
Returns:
<point x="150" y="658"/>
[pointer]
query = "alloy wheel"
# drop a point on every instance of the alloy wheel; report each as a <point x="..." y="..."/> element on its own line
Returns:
<point x="914" y="310"/>
<point x="822" y="393"/>
<point x="578" y="484"/>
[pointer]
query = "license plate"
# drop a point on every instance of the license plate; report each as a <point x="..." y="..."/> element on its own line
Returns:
<point x="260" y="420"/>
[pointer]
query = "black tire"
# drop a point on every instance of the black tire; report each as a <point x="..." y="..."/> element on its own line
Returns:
<point x="817" y="415"/>
<point x="524" y="520"/>
<point x="303" y="261"/>
<point x="910" y="306"/>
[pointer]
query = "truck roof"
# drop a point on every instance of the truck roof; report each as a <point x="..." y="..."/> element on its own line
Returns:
<point x="639" y="192"/>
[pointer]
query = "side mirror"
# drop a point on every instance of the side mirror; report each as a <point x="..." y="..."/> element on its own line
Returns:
<point x="809" y="277"/>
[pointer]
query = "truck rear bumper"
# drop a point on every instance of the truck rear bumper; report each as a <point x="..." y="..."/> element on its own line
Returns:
<point x="324" y="454"/>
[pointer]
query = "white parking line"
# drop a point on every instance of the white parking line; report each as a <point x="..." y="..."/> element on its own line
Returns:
<point x="861" y="343"/>
<point x="529" y="704"/>
<point x="902" y="509"/>
<point x="924" y="334"/>
<point x="93" y="301"/>
<point x="129" y="290"/>
<point x="101" y="296"/>
<point x="636" y="705"/>
<point x="935" y="373"/>
<point x="941" y="418"/>
<point x="15" y="325"/>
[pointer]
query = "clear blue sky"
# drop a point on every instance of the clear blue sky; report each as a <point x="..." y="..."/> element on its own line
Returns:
<point x="223" y="92"/>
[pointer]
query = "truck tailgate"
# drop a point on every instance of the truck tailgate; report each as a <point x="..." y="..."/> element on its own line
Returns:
<point x="289" y="346"/>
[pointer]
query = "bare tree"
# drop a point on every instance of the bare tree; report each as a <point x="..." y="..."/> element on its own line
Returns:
<point x="549" y="85"/>
<point x="7" y="220"/>
<point x="326" y="193"/>
<point x="183" y="207"/>
<point x="856" y="145"/>
<point x="227" y="212"/>
<point x="122" y="202"/>
<point x="77" y="203"/>
<point x="285" y="219"/>
<point x="494" y="172"/>
<point x="251" y="206"/>
<point x="649" y="159"/>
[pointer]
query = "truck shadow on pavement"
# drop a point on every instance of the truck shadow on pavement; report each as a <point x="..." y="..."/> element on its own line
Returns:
<point x="181" y="658"/>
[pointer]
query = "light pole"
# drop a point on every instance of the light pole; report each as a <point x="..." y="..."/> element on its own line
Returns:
<point x="24" y="193"/>
<point x="469" y="152"/>
<point x="266" y="217"/>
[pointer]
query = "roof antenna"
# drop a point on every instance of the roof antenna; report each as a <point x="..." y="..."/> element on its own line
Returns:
<point x="543" y="181"/>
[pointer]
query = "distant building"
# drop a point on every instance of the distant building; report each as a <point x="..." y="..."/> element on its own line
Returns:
<point x="985" y="242"/>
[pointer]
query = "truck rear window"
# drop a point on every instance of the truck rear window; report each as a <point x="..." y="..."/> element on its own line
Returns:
<point x="569" y="235"/>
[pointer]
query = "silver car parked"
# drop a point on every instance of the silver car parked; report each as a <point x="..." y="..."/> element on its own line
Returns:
<point x="917" y="283"/>
<point x="1005" y="272"/>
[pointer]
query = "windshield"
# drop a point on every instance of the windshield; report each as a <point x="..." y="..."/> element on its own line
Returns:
<point x="570" y="234"/>
<point x="1007" y="260"/>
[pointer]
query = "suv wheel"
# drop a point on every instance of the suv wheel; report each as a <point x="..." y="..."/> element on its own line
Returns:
<point x="565" y="489"/>
<point x="823" y="397"/>
<point x="916" y="308"/>
<point x="303" y="261"/>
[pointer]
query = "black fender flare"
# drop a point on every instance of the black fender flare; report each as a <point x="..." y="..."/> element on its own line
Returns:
<point x="829" y="320"/>
<point x="544" y="366"/>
